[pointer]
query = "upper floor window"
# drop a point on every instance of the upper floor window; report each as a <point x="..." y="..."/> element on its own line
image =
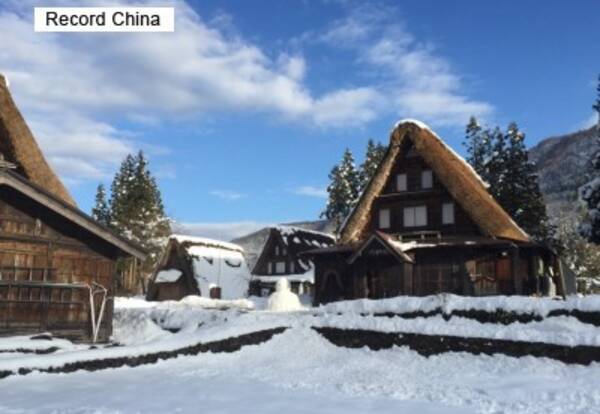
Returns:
<point x="270" y="268"/>
<point x="415" y="216"/>
<point x="401" y="182"/>
<point x="448" y="213"/>
<point x="426" y="179"/>
<point x="384" y="218"/>
<point x="279" y="267"/>
<point x="292" y="267"/>
<point x="276" y="250"/>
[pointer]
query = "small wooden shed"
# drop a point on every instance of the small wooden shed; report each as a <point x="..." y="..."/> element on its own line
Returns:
<point x="199" y="266"/>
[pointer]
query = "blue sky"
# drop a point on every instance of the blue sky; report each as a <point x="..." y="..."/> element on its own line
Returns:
<point x="246" y="107"/>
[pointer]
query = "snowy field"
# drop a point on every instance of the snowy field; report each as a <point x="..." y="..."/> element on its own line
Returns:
<point x="297" y="371"/>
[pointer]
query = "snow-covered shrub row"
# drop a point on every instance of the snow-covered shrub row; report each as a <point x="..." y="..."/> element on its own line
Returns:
<point x="561" y="330"/>
<point x="448" y="303"/>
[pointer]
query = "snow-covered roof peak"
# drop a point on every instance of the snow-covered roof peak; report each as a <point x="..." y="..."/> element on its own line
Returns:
<point x="290" y="230"/>
<point x="184" y="238"/>
<point x="416" y="122"/>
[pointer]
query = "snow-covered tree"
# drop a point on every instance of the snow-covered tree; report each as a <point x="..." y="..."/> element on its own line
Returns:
<point x="523" y="198"/>
<point x="495" y="166"/>
<point x="373" y="156"/>
<point x="582" y="257"/>
<point x="502" y="160"/>
<point x="343" y="189"/>
<point x="478" y="145"/>
<point x="590" y="193"/>
<point x="137" y="208"/>
<point x="101" y="210"/>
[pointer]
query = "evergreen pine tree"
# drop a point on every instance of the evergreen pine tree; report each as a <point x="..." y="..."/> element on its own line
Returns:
<point x="590" y="193"/>
<point x="502" y="160"/>
<point x="137" y="208"/>
<point x="523" y="199"/>
<point x="478" y="146"/>
<point x="373" y="156"/>
<point x="343" y="189"/>
<point x="101" y="210"/>
<point x="495" y="167"/>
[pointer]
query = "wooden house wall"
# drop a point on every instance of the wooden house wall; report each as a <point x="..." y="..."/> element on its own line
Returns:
<point x="268" y="256"/>
<point x="433" y="198"/>
<point x="332" y="279"/>
<point x="478" y="271"/>
<point x="36" y="246"/>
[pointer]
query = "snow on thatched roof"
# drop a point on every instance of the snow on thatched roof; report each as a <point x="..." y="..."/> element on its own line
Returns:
<point x="19" y="147"/>
<point x="461" y="181"/>
<point x="303" y="237"/>
<point x="194" y="240"/>
<point x="214" y="263"/>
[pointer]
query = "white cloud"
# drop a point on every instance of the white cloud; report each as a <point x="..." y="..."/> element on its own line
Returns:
<point x="227" y="195"/>
<point x="75" y="88"/>
<point x="347" y="107"/>
<point x="310" y="191"/>
<point x="411" y="78"/>
<point x="220" y="231"/>
<point x="204" y="66"/>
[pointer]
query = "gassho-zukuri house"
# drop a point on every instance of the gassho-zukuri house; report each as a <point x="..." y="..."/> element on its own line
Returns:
<point x="57" y="264"/>
<point x="280" y="258"/>
<point x="426" y="224"/>
<point x="199" y="266"/>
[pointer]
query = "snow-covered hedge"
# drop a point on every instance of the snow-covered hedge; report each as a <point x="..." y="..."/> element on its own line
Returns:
<point x="447" y="303"/>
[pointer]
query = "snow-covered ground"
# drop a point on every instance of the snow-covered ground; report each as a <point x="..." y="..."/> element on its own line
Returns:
<point x="296" y="371"/>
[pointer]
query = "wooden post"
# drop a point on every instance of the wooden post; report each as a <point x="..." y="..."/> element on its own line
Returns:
<point x="514" y="271"/>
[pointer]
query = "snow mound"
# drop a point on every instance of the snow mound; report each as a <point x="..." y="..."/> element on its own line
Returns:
<point x="283" y="299"/>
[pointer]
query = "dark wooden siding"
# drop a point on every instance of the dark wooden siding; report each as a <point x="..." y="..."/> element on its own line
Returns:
<point x="40" y="251"/>
<point x="433" y="198"/>
<point x="268" y="255"/>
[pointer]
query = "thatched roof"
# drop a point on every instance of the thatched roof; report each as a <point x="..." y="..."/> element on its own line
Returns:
<point x="19" y="147"/>
<point x="71" y="213"/>
<point x="460" y="180"/>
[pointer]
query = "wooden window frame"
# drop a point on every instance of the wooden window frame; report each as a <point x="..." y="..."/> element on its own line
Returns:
<point x="429" y="180"/>
<point x="448" y="216"/>
<point x="387" y="214"/>
<point x="401" y="182"/>
<point x="410" y="217"/>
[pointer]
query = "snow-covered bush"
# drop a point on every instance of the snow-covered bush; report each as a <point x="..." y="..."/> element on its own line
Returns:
<point x="283" y="299"/>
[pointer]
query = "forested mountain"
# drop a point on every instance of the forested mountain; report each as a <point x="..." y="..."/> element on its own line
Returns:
<point x="561" y="162"/>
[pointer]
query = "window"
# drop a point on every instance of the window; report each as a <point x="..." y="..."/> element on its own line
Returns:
<point x="448" y="213"/>
<point x="415" y="216"/>
<point x="276" y="250"/>
<point x="426" y="179"/>
<point x="292" y="267"/>
<point x="280" y="267"/>
<point x="283" y="251"/>
<point x="384" y="218"/>
<point x="401" y="184"/>
<point x="270" y="268"/>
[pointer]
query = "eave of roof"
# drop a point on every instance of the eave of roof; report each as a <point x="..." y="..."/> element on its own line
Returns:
<point x="72" y="213"/>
